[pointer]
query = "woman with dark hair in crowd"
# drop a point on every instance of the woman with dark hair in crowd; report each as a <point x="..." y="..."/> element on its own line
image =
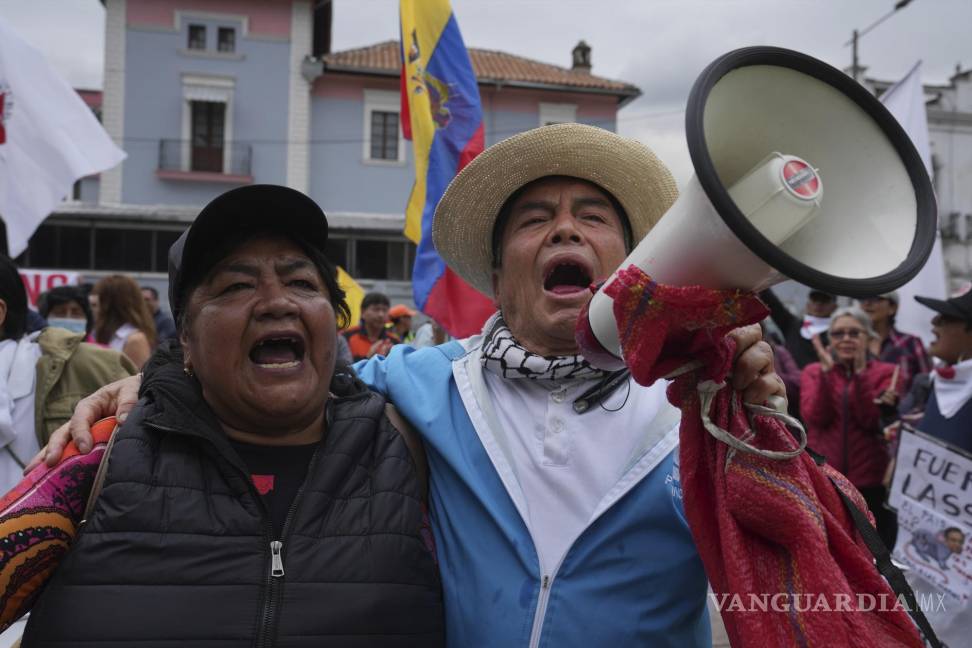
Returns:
<point x="123" y="321"/>
<point x="257" y="494"/>
<point x="67" y="307"/>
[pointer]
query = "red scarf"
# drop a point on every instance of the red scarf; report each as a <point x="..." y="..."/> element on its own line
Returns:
<point x="773" y="535"/>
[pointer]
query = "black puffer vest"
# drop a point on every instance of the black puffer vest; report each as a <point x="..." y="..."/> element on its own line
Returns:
<point x="177" y="551"/>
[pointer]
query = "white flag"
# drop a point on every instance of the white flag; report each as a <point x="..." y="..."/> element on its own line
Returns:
<point x="49" y="139"/>
<point x="906" y="101"/>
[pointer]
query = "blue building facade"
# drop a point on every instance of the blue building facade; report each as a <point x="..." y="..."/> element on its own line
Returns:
<point x="207" y="95"/>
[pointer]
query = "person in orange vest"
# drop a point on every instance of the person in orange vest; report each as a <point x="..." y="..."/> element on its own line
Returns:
<point x="370" y="337"/>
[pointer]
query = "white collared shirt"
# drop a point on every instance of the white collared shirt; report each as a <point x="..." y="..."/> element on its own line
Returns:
<point x="565" y="462"/>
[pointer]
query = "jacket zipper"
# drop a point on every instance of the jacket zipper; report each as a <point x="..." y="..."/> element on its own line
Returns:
<point x="547" y="580"/>
<point x="541" y="609"/>
<point x="266" y="634"/>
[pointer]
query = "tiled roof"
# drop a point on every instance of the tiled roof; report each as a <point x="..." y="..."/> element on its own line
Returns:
<point x="490" y="66"/>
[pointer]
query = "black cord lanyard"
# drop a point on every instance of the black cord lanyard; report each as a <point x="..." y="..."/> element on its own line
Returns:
<point x="604" y="388"/>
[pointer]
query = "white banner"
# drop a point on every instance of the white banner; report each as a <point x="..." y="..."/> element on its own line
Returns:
<point x="906" y="101"/>
<point x="48" y="139"/>
<point x="39" y="281"/>
<point x="932" y="492"/>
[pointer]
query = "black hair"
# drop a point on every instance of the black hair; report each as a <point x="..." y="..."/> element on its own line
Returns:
<point x="504" y="216"/>
<point x="65" y="295"/>
<point x="13" y="293"/>
<point x="374" y="298"/>
<point x="824" y="297"/>
<point x="155" y="293"/>
<point x="951" y="529"/>
<point x="325" y="268"/>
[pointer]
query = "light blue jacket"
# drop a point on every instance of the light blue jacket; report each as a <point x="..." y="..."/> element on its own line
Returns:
<point x="632" y="578"/>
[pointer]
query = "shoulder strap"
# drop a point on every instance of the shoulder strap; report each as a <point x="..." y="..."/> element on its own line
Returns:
<point x="882" y="559"/>
<point x="99" y="480"/>
<point x="415" y="448"/>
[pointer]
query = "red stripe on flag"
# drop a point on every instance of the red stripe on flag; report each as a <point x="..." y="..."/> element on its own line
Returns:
<point x="406" y="115"/>
<point x="3" y="132"/>
<point x="458" y="307"/>
<point x="473" y="147"/>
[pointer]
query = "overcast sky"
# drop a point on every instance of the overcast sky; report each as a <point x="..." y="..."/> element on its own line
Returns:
<point x="659" y="45"/>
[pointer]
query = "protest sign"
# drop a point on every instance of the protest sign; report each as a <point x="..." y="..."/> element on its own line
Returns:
<point x="39" y="281"/>
<point x="932" y="493"/>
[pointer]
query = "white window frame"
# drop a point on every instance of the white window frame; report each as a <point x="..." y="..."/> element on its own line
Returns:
<point x="198" y="87"/>
<point x="382" y="101"/>
<point x="183" y="17"/>
<point x="212" y="21"/>
<point x="557" y="113"/>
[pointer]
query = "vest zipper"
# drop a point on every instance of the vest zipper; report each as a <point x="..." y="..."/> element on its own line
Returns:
<point x="276" y="561"/>
<point x="266" y="634"/>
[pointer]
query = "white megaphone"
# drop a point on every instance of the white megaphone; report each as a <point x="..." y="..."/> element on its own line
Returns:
<point x="799" y="173"/>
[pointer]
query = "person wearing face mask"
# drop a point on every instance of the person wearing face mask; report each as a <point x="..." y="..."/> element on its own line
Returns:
<point x="840" y="399"/>
<point x="67" y="308"/>
<point x="42" y="374"/>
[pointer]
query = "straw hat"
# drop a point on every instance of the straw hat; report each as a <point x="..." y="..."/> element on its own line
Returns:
<point x="463" y="226"/>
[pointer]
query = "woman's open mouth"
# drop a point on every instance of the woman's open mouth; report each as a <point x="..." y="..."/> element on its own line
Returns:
<point x="566" y="277"/>
<point x="278" y="351"/>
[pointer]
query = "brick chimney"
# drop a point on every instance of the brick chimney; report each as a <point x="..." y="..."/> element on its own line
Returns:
<point x="581" y="57"/>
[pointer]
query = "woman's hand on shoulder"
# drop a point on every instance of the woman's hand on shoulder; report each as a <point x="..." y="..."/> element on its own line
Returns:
<point x="114" y="399"/>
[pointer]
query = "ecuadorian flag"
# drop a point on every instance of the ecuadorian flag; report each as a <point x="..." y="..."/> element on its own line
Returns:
<point x="442" y="115"/>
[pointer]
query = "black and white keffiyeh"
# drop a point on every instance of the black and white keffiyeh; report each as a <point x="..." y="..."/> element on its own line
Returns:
<point x="505" y="357"/>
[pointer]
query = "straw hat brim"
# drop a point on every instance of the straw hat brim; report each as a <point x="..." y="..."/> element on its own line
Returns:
<point x="462" y="229"/>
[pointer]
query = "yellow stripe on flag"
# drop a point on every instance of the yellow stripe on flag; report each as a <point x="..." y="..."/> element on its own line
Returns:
<point x="422" y="24"/>
<point x="353" y="294"/>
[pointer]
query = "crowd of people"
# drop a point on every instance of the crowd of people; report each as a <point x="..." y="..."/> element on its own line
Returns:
<point x="79" y="338"/>
<point x="261" y="486"/>
<point x="852" y="377"/>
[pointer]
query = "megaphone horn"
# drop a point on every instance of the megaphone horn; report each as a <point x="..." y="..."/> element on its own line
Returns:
<point x="800" y="173"/>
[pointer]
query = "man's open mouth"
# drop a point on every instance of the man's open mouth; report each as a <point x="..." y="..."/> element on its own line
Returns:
<point x="566" y="277"/>
<point x="278" y="351"/>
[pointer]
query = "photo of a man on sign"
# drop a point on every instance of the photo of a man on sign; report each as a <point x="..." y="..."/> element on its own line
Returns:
<point x="938" y="547"/>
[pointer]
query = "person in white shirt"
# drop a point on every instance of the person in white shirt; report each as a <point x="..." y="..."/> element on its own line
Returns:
<point x="42" y="375"/>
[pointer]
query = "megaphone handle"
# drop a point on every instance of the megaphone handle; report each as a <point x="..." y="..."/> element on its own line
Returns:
<point x="707" y="391"/>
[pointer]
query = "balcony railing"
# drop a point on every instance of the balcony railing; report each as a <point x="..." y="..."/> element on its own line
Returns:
<point x="183" y="159"/>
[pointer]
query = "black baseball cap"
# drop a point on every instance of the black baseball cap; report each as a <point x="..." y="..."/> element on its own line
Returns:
<point x="258" y="208"/>
<point x="959" y="307"/>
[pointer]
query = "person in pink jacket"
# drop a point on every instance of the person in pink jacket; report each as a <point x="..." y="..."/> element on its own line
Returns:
<point x="840" y="399"/>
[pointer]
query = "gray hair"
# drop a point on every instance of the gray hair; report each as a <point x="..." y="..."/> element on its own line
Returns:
<point x="862" y="318"/>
